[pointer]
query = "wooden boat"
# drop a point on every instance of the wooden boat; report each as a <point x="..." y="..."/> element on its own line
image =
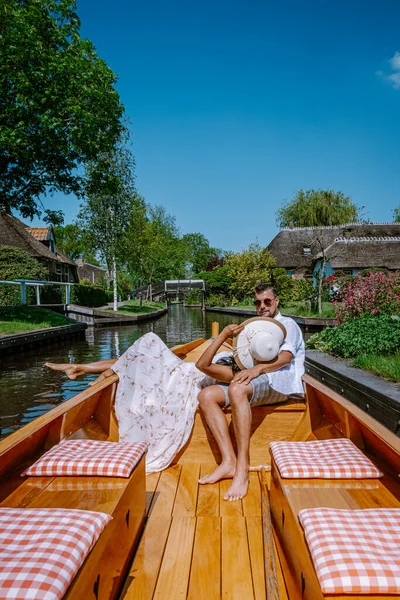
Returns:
<point x="194" y="544"/>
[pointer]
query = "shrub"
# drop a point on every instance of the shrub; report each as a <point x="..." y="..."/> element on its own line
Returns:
<point x="374" y="294"/>
<point x="218" y="300"/>
<point x="283" y="285"/>
<point x="16" y="263"/>
<point x="194" y="297"/>
<point x="52" y="294"/>
<point x="366" y="335"/>
<point x="303" y="289"/>
<point x="92" y="296"/>
<point x="248" y="301"/>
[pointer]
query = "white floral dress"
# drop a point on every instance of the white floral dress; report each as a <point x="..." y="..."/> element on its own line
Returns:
<point x="156" y="399"/>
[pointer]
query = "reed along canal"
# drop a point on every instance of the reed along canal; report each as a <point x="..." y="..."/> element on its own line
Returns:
<point x="28" y="389"/>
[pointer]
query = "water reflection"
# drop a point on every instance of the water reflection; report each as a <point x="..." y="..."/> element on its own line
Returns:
<point x="28" y="389"/>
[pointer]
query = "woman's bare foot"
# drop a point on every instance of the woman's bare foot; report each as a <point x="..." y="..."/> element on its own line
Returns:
<point x="239" y="487"/>
<point x="71" y="371"/>
<point x="104" y="375"/>
<point x="226" y="470"/>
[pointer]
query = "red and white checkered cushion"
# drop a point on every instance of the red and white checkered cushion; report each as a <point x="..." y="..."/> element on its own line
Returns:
<point x="88" y="458"/>
<point x="354" y="551"/>
<point x="42" y="549"/>
<point x="322" y="459"/>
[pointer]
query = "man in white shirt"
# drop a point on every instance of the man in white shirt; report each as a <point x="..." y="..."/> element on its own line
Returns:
<point x="265" y="383"/>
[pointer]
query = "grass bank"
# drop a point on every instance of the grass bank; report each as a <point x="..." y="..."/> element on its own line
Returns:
<point x="298" y="309"/>
<point x="20" y="319"/>
<point x="132" y="307"/>
<point x="385" y="366"/>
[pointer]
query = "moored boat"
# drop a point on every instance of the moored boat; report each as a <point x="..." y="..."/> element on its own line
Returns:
<point x="172" y="538"/>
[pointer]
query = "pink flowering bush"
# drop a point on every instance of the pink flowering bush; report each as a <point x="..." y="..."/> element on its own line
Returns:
<point x="375" y="294"/>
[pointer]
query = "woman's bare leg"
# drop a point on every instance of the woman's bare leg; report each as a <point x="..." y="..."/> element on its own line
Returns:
<point x="73" y="371"/>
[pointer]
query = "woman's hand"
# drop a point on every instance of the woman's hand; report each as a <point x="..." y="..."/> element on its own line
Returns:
<point x="232" y="330"/>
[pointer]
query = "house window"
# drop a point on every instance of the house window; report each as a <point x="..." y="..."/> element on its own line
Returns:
<point x="306" y="250"/>
<point x="59" y="273"/>
<point x="345" y="271"/>
<point x="289" y="272"/>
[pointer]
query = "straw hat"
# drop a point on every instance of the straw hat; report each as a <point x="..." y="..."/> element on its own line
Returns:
<point x="259" y="341"/>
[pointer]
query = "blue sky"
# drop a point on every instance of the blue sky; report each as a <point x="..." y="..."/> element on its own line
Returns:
<point x="234" y="106"/>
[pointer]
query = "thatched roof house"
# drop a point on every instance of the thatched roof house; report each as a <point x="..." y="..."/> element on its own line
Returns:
<point x="350" y="247"/>
<point x="40" y="243"/>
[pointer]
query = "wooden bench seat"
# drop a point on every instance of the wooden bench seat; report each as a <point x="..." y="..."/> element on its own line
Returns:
<point x="88" y="415"/>
<point x="289" y="496"/>
<point x="104" y="570"/>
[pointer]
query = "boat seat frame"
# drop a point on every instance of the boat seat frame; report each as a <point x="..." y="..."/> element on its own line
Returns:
<point x="330" y="415"/>
<point x="88" y="415"/>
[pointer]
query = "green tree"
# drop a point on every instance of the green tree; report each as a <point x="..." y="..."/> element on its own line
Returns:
<point x="218" y="281"/>
<point x="248" y="268"/>
<point x="154" y="247"/>
<point x="199" y="252"/>
<point x="74" y="242"/>
<point x="105" y="214"/>
<point x="59" y="107"/>
<point x="316" y="208"/>
<point x="396" y="214"/>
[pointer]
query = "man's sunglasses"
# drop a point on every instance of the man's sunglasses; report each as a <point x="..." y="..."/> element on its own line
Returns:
<point x="267" y="302"/>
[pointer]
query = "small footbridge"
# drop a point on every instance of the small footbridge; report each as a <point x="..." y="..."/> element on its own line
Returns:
<point x="172" y="290"/>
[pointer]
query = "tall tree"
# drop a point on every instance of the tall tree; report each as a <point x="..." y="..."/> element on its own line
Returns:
<point x="74" y="242"/>
<point x="396" y="214"/>
<point x="315" y="208"/>
<point x="109" y="196"/>
<point x="248" y="268"/>
<point x="59" y="107"/>
<point x="200" y="254"/>
<point x="154" y="248"/>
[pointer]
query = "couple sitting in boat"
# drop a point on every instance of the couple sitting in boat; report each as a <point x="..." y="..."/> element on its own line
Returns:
<point x="158" y="393"/>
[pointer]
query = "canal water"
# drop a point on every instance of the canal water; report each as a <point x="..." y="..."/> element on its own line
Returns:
<point x="28" y="389"/>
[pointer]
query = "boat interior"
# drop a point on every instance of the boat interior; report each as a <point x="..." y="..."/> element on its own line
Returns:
<point x="173" y="538"/>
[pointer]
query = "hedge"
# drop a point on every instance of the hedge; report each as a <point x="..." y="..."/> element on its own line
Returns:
<point x="90" y="295"/>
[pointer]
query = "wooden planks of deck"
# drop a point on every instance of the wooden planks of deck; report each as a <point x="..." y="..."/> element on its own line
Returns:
<point x="195" y="544"/>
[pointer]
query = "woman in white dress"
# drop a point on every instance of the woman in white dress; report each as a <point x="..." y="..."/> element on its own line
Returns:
<point x="157" y="393"/>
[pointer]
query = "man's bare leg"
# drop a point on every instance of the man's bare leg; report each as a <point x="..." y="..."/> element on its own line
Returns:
<point x="211" y="399"/>
<point x="73" y="371"/>
<point x="239" y="395"/>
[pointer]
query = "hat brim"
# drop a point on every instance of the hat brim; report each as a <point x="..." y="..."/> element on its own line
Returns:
<point x="237" y="353"/>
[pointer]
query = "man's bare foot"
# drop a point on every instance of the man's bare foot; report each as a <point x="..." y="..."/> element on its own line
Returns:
<point x="71" y="371"/>
<point x="226" y="470"/>
<point x="239" y="487"/>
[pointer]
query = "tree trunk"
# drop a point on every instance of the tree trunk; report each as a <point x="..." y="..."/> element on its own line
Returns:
<point x="115" y="307"/>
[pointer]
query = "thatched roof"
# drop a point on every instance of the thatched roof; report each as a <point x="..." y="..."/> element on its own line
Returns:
<point x="297" y="248"/>
<point x="363" y="251"/>
<point x="15" y="233"/>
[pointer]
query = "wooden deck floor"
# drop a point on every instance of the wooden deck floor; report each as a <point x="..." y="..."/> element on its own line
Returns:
<point x="195" y="544"/>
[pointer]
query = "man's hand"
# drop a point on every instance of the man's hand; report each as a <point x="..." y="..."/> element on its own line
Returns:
<point x="232" y="330"/>
<point x="246" y="375"/>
